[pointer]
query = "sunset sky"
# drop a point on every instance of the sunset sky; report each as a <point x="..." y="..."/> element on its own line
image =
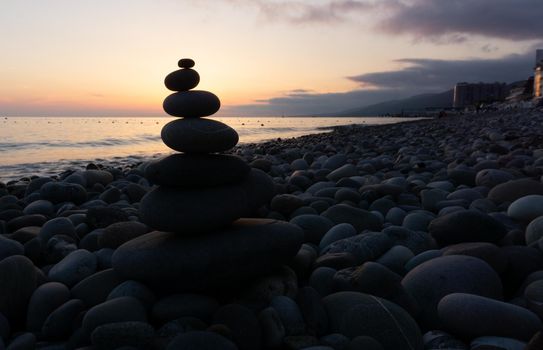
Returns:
<point x="261" y="57"/>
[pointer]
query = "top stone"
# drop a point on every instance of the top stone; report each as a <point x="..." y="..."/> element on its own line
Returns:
<point x="186" y="63"/>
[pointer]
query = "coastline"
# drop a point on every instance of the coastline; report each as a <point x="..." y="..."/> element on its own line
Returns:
<point x="415" y="223"/>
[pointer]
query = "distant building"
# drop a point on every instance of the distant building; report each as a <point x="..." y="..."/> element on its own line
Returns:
<point x="538" y="74"/>
<point x="466" y="94"/>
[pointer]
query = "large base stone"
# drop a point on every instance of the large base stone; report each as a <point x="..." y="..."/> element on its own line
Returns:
<point x="250" y="247"/>
<point x="204" y="209"/>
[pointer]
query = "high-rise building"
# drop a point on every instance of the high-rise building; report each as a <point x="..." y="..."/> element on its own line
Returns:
<point x="538" y="74"/>
<point x="466" y="94"/>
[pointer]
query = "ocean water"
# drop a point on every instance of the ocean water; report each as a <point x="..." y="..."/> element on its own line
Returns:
<point x="48" y="145"/>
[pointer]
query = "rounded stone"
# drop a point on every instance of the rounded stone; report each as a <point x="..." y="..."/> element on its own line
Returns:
<point x="515" y="189"/>
<point x="119" y="335"/>
<point x="497" y="343"/>
<point x="59" y="324"/>
<point x="360" y="219"/>
<point x="41" y="206"/>
<point x="526" y="208"/>
<point x="243" y="324"/>
<point x="120" y="232"/>
<point x="182" y="80"/>
<point x="56" y="226"/>
<point x="339" y="231"/>
<point x="186" y="63"/>
<point x="364" y="247"/>
<point x="45" y="299"/>
<point x="314" y="226"/>
<point x="492" y="177"/>
<point x="184" y="305"/>
<point x="191" y="104"/>
<point x="488" y="252"/>
<point x="430" y="281"/>
<point x="197" y="170"/>
<point x="186" y="210"/>
<point x="75" y="267"/>
<point x="18" y="279"/>
<point x="136" y="290"/>
<point x="95" y="289"/>
<point x="356" y="314"/>
<point x="58" y="192"/>
<point x="470" y="316"/>
<point x="273" y="330"/>
<point x="199" y="136"/>
<point x="466" y="226"/>
<point x="290" y="315"/>
<point x="248" y="248"/>
<point x="534" y="230"/>
<point x="116" y="310"/>
<point x="201" y="341"/>
<point x="9" y="247"/>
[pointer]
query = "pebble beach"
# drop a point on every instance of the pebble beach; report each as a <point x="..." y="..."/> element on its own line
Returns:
<point x="417" y="235"/>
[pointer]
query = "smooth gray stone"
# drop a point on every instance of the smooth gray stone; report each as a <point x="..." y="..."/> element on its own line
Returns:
<point x="356" y="314"/>
<point x="430" y="281"/>
<point x="243" y="324"/>
<point x="396" y="258"/>
<point x="436" y="340"/>
<point x="346" y="170"/>
<point x="416" y="241"/>
<point x="183" y="263"/>
<point x="364" y="247"/>
<point x="290" y="315"/>
<point x="122" y="309"/>
<point x="25" y="341"/>
<point x="184" y="305"/>
<point x="526" y="208"/>
<point x="322" y="280"/>
<point x="191" y="104"/>
<point x="204" y="210"/>
<point x="470" y="316"/>
<point x="134" y="289"/>
<point x="466" y="226"/>
<point x="199" y="136"/>
<point x="314" y="226"/>
<point x="56" y="226"/>
<point x="337" y="232"/>
<point x="512" y="190"/>
<point x="95" y="289"/>
<point x="534" y="230"/>
<point x="497" y="343"/>
<point x="312" y="309"/>
<point x="273" y="330"/>
<point x="492" y="177"/>
<point x="488" y="252"/>
<point x="45" y="299"/>
<point x="119" y="335"/>
<point x="18" y="279"/>
<point x="75" y="267"/>
<point x="182" y="80"/>
<point x="9" y="247"/>
<point x="41" y="206"/>
<point x="58" y="192"/>
<point x="361" y="219"/>
<point x="201" y="170"/>
<point x="201" y="341"/>
<point x="335" y="161"/>
<point x="120" y="232"/>
<point x="59" y="324"/>
<point x="286" y="203"/>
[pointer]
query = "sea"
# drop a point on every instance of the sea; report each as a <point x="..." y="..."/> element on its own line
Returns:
<point x="46" y="146"/>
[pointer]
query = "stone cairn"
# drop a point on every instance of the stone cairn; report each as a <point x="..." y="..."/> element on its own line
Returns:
<point x="197" y="205"/>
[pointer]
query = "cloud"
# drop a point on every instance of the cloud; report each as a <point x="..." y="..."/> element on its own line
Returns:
<point x="450" y="21"/>
<point x="438" y="74"/>
<point x="417" y="76"/>
<point x="456" y="19"/>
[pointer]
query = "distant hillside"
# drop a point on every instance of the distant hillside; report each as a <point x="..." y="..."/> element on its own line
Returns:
<point x="411" y="104"/>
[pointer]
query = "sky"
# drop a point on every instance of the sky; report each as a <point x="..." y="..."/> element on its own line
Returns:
<point x="260" y="57"/>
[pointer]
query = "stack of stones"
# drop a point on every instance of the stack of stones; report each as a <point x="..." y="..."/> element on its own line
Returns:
<point x="202" y="243"/>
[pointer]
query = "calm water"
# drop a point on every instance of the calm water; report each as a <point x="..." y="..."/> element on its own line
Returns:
<point x="46" y="146"/>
